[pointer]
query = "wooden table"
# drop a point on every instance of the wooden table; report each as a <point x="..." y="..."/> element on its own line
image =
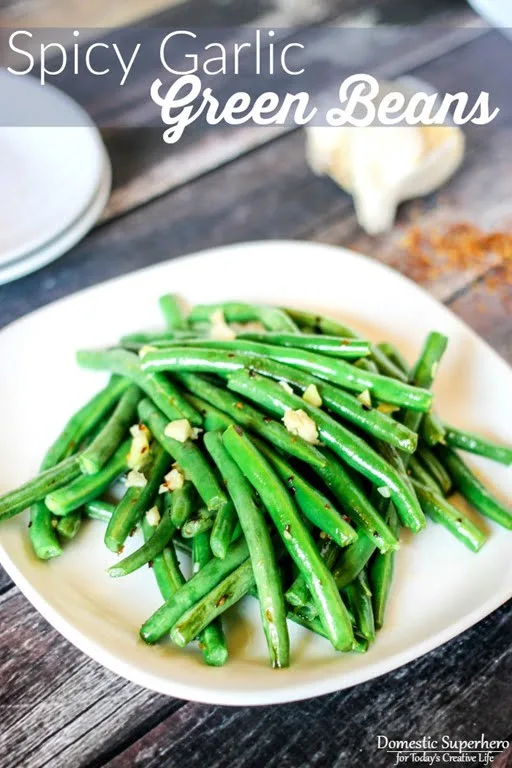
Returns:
<point x="59" y="708"/>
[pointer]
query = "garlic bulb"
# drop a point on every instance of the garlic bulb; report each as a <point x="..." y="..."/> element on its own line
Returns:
<point x="381" y="166"/>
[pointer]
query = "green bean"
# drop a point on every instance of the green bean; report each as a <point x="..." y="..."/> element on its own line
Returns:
<point x="168" y="575"/>
<point x="37" y="489"/>
<point x="359" y="598"/>
<point x="348" y="349"/>
<point x="347" y="490"/>
<point x="313" y="504"/>
<point x="432" y="430"/>
<point x="223" y="529"/>
<point x="248" y="417"/>
<point x="212" y="418"/>
<point x="396" y="357"/>
<point x="473" y="443"/>
<point x="261" y="551"/>
<point x="188" y="456"/>
<point x="366" y="365"/>
<point x="345" y="444"/>
<point x="43" y="536"/>
<point x="352" y="560"/>
<point x="424" y="372"/>
<point x="341" y="403"/>
<point x="296" y="538"/>
<point x="213" y="604"/>
<point x="273" y="318"/>
<point x="157" y="387"/>
<point x="109" y="438"/>
<point x="78" y="492"/>
<point x="84" y="421"/>
<point x="441" y="511"/>
<point x="172" y="313"/>
<point x="211" y="640"/>
<point x="137" y="500"/>
<point x="328" y="326"/>
<point x="298" y="594"/>
<point x="140" y="339"/>
<point x="435" y="468"/>
<point x="189" y="357"/>
<point x="70" y="525"/>
<point x="162" y="534"/>
<point x="99" y="510"/>
<point x="380" y="571"/>
<point x="473" y="490"/>
<point x="190" y="593"/>
<point x="417" y="470"/>
<point x="201" y="521"/>
<point x="182" y="504"/>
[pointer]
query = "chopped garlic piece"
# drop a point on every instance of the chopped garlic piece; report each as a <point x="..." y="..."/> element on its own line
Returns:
<point x="153" y="517"/>
<point x="312" y="396"/>
<point x="180" y="430"/>
<point x="299" y="423"/>
<point x="286" y="386"/>
<point x="384" y="491"/>
<point x="220" y="330"/>
<point x="145" y="349"/>
<point x="136" y="479"/>
<point x="365" y="398"/>
<point x="387" y="408"/>
<point x="196" y="431"/>
<point x="174" y="480"/>
<point x="139" y="449"/>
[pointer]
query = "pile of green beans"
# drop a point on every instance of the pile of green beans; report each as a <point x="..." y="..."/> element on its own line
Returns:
<point x="278" y="449"/>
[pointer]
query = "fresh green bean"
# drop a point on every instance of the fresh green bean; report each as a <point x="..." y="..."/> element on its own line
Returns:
<point x="380" y="571"/>
<point x="172" y="313"/>
<point x="70" y="525"/>
<point x="100" y="510"/>
<point x="189" y="357"/>
<point x="182" y="504"/>
<point x="359" y="598"/>
<point x="329" y="327"/>
<point x="341" y="403"/>
<point x="441" y="511"/>
<point x="212" y="418"/>
<point x="396" y="357"/>
<point x="223" y="529"/>
<point x="473" y="490"/>
<point x="473" y="443"/>
<point x="424" y="372"/>
<point x="298" y="594"/>
<point x="273" y="318"/>
<point x="157" y="387"/>
<point x="190" y="593"/>
<point x="201" y="521"/>
<point x="417" y="470"/>
<point x="162" y="534"/>
<point x="137" y="500"/>
<point x="296" y="538"/>
<point x="211" y="640"/>
<point x="140" y="339"/>
<point x="435" y="468"/>
<point x="81" y="490"/>
<point x="37" y="489"/>
<point x="248" y="417"/>
<point x="348" y="349"/>
<point x="264" y="564"/>
<point x="166" y="568"/>
<point x="366" y="365"/>
<point x="313" y="504"/>
<point x="43" y="536"/>
<point x="109" y="438"/>
<point x="432" y="430"/>
<point x="345" y="444"/>
<point x="187" y="454"/>
<point x="352" y="560"/>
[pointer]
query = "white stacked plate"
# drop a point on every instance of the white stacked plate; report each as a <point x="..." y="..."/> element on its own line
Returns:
<point x="54" y="179"/>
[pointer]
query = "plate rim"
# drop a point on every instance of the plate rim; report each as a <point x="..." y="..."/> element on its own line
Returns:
<point x="290" y="692"/>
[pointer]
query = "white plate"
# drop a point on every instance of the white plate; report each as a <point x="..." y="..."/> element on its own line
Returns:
<point x="49" y="173"/>
<point x="440" y="587"/>
<point x="68" y="238"/>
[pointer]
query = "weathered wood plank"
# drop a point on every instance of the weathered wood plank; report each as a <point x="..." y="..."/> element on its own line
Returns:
<point x="450" y="692"/>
